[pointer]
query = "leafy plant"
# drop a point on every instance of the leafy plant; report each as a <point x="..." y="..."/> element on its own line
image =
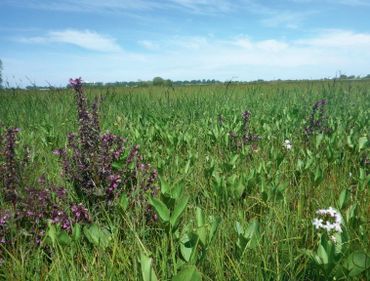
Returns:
<point x="101" y="166"/>
<point x="244" y="136"/>
<point x="170" y="204"/>
<point x="195" y="242"/>
<point x="247" y="238"/>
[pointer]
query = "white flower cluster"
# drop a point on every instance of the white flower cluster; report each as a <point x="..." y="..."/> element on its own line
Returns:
<point x="287" y="144"/>
<point x="329" y="220"/>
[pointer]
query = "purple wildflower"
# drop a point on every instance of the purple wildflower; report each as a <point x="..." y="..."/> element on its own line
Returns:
<point x="317" y="122"/>
<point x="11" y="175"/>
<point x="244" y="136"/>
<point x="101" y="164"/>
<point x="115" y="181"/>
<point x="80" y="213"/>
<point x="133" y="153"/>
<point x="61" y="193"/>
<point x="4" y="218"/>
<point x="60" y="217"/>
<point x="76" y="83"/>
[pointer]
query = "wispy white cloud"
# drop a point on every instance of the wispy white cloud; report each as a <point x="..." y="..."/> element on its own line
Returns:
<point x="84" y="5"/>
<point x="321" y="55"/>
<point x="342" y="39"/>
<point x="187" y="42"/>
<point x="354" y="3"/>
<point x="285" y="18"/>
<point x="148" y="44"/>
<point x="198" y="6"/>
<point x="318" y="56"/>
<point x="85" y="39"/>
<point x="206" y="6"/>
<point x="268" y="15"/>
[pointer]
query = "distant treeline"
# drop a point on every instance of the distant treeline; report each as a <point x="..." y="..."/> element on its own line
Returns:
<point x="158" y="81"/>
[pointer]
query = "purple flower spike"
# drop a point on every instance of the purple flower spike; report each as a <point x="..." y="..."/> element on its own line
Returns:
<point x="58" y="152"/>
<point x="317" y="122"/>
<point x="4" y="219"/>
<point x="76" y="84"/>
<point x="246" y="116"/>
<point x="80" y="213"/>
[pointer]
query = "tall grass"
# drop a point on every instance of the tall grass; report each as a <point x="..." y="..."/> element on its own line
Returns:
<point x="268" y="190"/>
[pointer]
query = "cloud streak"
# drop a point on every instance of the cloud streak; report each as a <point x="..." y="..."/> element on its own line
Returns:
<point x="319" y="56"/>
<point x="205" y="6"/>
<point x="189" y="58"/>
<point x="197" y="6"/>
<point x="85" y="39"/>
<point x="334" y="48"/>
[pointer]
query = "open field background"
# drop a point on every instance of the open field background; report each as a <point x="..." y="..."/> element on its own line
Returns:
<point x="272" y="193"/>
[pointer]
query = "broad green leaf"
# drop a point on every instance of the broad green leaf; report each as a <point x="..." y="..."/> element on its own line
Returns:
<point x="343" y="199"/>
<point x="202" y="230"/>
<point x="309" y="253"/>
<point x="76" y="232"/>
<point x="319" y="139"/>
<point x="188" y="245"/>
<point x="187" y="167"/>
<point x="213" y="230"/>
<point x="180" y="206"/>
<point x="253" y="234"/>
<point x="357" y="262"/>
<point x="52" y="232"/>
<point x="147" y="270"/>
<point x="117" y="165"/>
<point x="239" y="229"/>
<point x="233" y="160"/>
<point x="318" y="175"/>
<point x="252" y="229"/>
<point x="165" y="188"/>
<point x="338" y="245"/>
<point x="64" y="238"/>
<point x="188" y="273"/>
<point x="309" y="162"/>
<point x="161" y="208"/>
<point x="300" y="165"/>
<point x="321" y="252"/>
<point x="362" y="143"/>
<point x="123" y="201"/>
<point x="97" y="235"/>
<point x="349" y="142"/>
<point x="199" y="216"/>
<point x="266" y="127"/>
<point x="177" y="190"/>
<point x="92" y="234"/>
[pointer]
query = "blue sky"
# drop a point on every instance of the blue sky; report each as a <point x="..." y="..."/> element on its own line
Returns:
<point x="49" y="41"/>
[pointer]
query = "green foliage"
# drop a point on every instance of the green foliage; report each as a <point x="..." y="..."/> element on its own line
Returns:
<point x="189" y="273"/>
<point x="147" y="270"/>
<point x="247" y="238"/>
<point x="222" y="214"/>
<point x="171" y="204"/>
<point x="97" y="236"/>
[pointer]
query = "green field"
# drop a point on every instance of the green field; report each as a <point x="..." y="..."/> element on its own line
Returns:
<point x="244" y="211"/>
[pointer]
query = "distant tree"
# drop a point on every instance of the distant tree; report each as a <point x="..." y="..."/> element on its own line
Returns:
<point x="158" y="81"/>
<point x="141" y="83"/>
<point x="168" y="82"/>
<point x="1" y="74"/>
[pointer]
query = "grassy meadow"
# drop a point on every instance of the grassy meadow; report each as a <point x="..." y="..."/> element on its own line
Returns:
<point x="225" y="211"/>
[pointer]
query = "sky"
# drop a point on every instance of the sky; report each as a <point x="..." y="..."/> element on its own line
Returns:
<point x="46" y="42"/>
